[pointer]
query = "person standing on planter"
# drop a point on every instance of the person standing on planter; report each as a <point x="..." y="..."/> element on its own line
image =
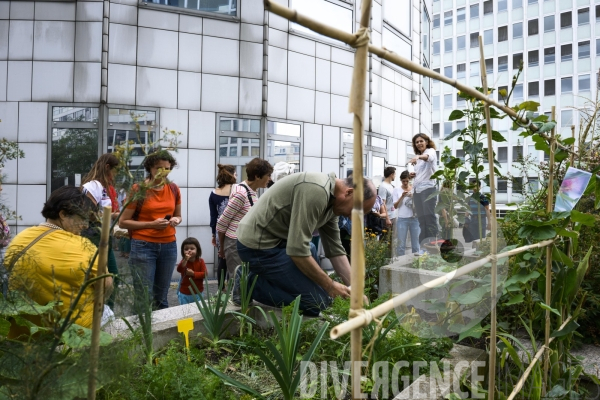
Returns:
<point x="242" y="199"/>
<point x="274" y="238"/>
<point x="151" y="218"/>
<point x="424" y="187"/>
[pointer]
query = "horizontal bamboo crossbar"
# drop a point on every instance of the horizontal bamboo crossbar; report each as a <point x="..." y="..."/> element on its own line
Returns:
<point x="394" y="58"/>
<point x="382" y="309"/>
<point x="539" y="353"/>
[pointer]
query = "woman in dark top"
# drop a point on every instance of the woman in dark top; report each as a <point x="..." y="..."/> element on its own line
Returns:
<point x="217" y="201"/>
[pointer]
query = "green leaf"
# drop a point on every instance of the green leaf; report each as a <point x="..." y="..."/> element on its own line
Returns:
<point x="473" y="330"/>
<point x="558" y="255"/>
<point x="472" y="297"/>
<point x="522" y="277"/>
<point x="548" y="308"/>
<point x="597" y="200"/>
<point x="569" y="141"/>
<point x="453" y="134"/>
<point x="497" y="137"/>
<point x="557" y="392"/>
<point x="569" y="328"/>
<point x="575" y="278"/>
<point x="537" y="232"/>
<point x="515" y="300"/>
<point x="232" y="382"/>
<point x="4" y="327"/>
<point x="456" y="114"/>
<point x="566" y="233"/>
<point x="529" y="106"/>
<point x="77" y="337"/>
<point x="583" y="218"/>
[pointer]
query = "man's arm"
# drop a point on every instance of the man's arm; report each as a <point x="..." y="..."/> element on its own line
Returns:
<point x="341" y="266"/>
<point x="310" y="268"/>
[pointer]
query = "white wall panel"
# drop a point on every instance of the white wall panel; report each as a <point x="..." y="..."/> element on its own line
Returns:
<point x="301" y="104"/>
<point x="177" y="120"/>
<point x="158" y="19"/>
<point x="4" y="9"/>
<point x="19" y="81"/>
<point x="323" y="51"/>
<point x="54" y="11"/>
<point x="312" y="164"/>
<point x="342" y="56"/>
<point x="387" y="93"/>
<point x="251" y="33"/>
<point x="331" y="142"/>
<point x="121" y="84"/>
<point x="157" y="48"/>
<point x="253" y="11"/>
<point x="88" y="41"/>
<point x="202" y="130"/>
<point x="122" y="44"/>
<point x="188" y="92"/>
<point x="9" y="114"/>
<point x="219" y="93"/>
<point x="331" y="165"/>
<point x="376" y="121"/>
<point x="322" y="108"/>
<point x="278" y="38"/>
<point x="302" y="45"/>
<point x="179" y="174"/>
<point x="53" y="40"/>
<point x="339" y="112"/>
<point x="87" y="82"/>
<point x="32" y="168"/>
<point x="222" y="29"/>
<point x="277" y="65"/>
<point x="387" y="121"/>
<point x="190" y="24"/>
<point x="33" y="122"/>
<point x="313" y="139"/>
<point x="202" y="168"/>
<point x="30" y="201"/>
<point x="89" y="11"/>
<point x="301" y="70"/>
<point x="277" y="100"/>
<point x="123" y="14"/>
<point x="250" y="96"/>
<point x="156" y="87"/>
<point x="190" y="52"/>
<point x="52" y="81"/>
<point x="4" y="29"/>
<point x="20" y="40"/>
<point x="251" y="60"/>
<point x="323" y="75"/>
<point x="21" y="10"/>
<point x="220" y="56"/>
<point x="341" y="77"/>
<point x="3" y="79"/>
<point x="9" y="197"/>
<point x="198" y="211"/>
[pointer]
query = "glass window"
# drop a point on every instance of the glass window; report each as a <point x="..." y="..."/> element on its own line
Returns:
<point x="598" y="47"/>
<point x="531" y="1"/>
<point x="533" y="184"/>
<point x="488" y="7"/>
<point x="460" y="153"/>
<point x="289" y="152"/>
<point x="502" y="33"/>
<point x="517" y="153"/>
<point x="460" y="125"/>
<point x="565" y="20"/>
<point x="239" y="124"/>
<point x="517" y="60"/>
<point x="436" y="103"/>
<point x="426" y="83"/>
<point x="533" y="58"/>
<point x="474" y="38"/>
<point x="75" y="144"/>
<point x="436" y="21"/>
<point x="549" y="55"/>
<point x="448" y="45"/>
<point x="583" y="16"/>
<point x="598" y="13"/>
<point x="448" y="72"/>
<point x="517" y="4"/>
<point x="502" y="5"/>
<point x="584" y="49"/>
<point x="501" y="91"/>
<point x="532" y="27"/>
<point x="549" y="87"/>
<point x="447" y="18"/>
<point x="474" y="11"/>
<point x="503" y="154"/>
<point x="517" y="185"/>
<point x="489" y="65"/>
<point x="518" y="91"/>
<point x="461" y="42"/>
<point x="447" y="128"/>
<point x="447" y="101"/>
<point x="502" y="186"/>
<point x="394" y="43"/>
<point x="436" y="48"/>
<point x="460" y="102"/>
<point x="566" y="118"/>
<point x="426" y="34"/>
<point x="584" y="83"/>
<point x="534" y="88"/>
<point x="324" y="11"/>
<point x="227" y="7"/>
<point x="566" y="52"/>
<point x="566" y="85"/>
<point x="282" y="129"/>
<point x="474" y="68"/>
<point x="502" y="63"/>
<point x="461" y="70"/>
<point x="488" y="36"/>
<point x="435" y="134"/>
<point x="517" y="30"/>
<point x="549" y="23"/>
<point x="398" y="14"/>
<point x="461" y="14"/>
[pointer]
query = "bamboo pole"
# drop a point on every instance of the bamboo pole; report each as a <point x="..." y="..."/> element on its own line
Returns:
<point x="572" y="160"/>
<point x="98" y="301"/>
<point x="384" y="308"/>
<point x="494" y="238"/>
<point x="549" y="202"/>
<point x="394" y="58"/>
<point x="535" y="359"/>
<point x="357" y="251"/>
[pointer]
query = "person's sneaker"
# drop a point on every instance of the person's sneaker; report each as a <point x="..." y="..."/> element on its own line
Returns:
<point x="420" y="253"/>
<point x="236" y="296"/>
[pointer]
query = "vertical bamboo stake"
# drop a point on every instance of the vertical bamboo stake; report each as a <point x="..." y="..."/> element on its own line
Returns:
<point x="549" y="203"/>
<point x="98" y="302"/>
<point x="494" y="241"/>
<point x="572" y="160"/>
<point x="357" y="106"/>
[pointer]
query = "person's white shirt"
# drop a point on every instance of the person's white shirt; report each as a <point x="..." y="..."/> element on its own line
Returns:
<point x="386" y="191"/>
<point x="405" y="207"/>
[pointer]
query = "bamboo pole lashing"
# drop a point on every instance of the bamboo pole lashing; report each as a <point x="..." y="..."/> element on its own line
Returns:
<point x="396" y="59"/>
<point x="357" y="275"/>
<point x="548" y="297"/>
<point x="382" y="309"/>
<point x="494" y="232"/>
<point x="98" y="302"/>
<point x="535" y="359"/>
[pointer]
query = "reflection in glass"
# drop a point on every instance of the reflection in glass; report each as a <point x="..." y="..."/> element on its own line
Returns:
<point x="74" y="152"/>
<point x="238" y="152"/>
<point x="289" y="152"/>
<point x="126" y="116"/>
<point x="74" y="114"/>
<point x="283" y="129"/>
<point x="378" y="142"/>
<point x="349" y="164"/>
<point x="228" y="7"/>
<point x="323" y="11"/>
<point x="239" y="125"/>
<point x="378" y="167"/>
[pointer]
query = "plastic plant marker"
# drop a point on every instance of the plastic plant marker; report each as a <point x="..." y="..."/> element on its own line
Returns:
<point x="185" y="326"/>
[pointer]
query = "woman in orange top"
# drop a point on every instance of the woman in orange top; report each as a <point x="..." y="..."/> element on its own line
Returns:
<point x="151" y="222"/>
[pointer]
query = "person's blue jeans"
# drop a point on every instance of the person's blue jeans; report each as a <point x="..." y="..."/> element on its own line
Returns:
<point x="152" y="266"/>
<point x="280" y="281"/>
<point x="403" y="226"/>
<point x="188" y="298"/>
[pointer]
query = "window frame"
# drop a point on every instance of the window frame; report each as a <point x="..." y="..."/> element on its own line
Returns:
<point x="491" y="4"/>
<point x="471" y="8"/>
<point x="564" y="82"/>
<point x="550" y="18"/>
<point x="553" y="87"/>
<point x="563" y="21"/>
<point x="145" y="4"/>
<point x="530" y="27"/>
<point x="321" y="38"/>
<point x="513" y="30"/>
<point x="503" y="29"/>
<point x="563" y="48"/>
<point x="529" y="87"/>
<point x="505" y="64"/>
<point x="579" y="13"/>
<point x="517" y="57"/>
<point x="589" y="79"/>
<point x="589" y="45"/>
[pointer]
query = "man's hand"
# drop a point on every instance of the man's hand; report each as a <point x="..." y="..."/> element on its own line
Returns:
<point x="337" y="289"/>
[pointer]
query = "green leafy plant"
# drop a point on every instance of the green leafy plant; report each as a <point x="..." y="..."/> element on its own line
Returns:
<point x="246" y="290"/>
<point x="282" y="358"/>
